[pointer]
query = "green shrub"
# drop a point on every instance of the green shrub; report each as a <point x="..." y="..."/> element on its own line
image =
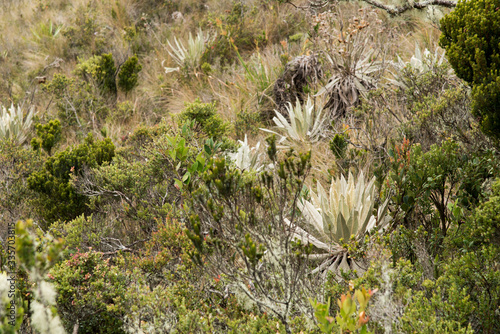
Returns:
<point x="247" y="122"/>
<point x="471" y="37"/>
<point x="242" y="230"/>
<point x="101" y="69"/>
<point x="434" y="189"/>
<point x="48" y="136"/>
<point x="84" y="33"/>
<point x="127" y="77"/>
<point x="16" y="164"/>
<point x="89" y="292"/>
<point x="338" y="145"/>
<point x="58" y="198"/>
<point x="208" y="121"/>
<point x="475" y="270"/>
<point x="79" y="103"/>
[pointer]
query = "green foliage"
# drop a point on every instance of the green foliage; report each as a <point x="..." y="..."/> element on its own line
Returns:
<point x="206" y="118"/>
<point x="58" y="197"/>
<point x="78" y="102"/>
<point x="486" y="102"/>
<point x="433" y="189"/>
<point x="472" y="41"/>
<point x="438" y="310"/>
<point x="238" y="32"/>
<point x="83" y="33"/>
<point x="247" y="122"/>
<point x="246" y="235"/>
<point x="127" y="77"/>
<point x="48" y="136"/>
<point x="102" y="70"/>
<point x="89" y="292"/>
<point x="475" y="269"/>
<point x="338" y="145"/>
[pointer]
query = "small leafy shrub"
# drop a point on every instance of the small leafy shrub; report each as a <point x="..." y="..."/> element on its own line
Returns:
<point x="338" y="145"/>
<point x="471" y="36"/>
<point x="128" y="75"/>
<point x="206" y="118"/>
<point x="434" y="189"/>
<point x="122" y="112"/>
<point x="238" y="30"/>
<point x="475" y="271"/>
<point x="440" y="309"/>
<point x="79" y="103"/>
<point x="48" y="135"/>
<point x="89" y="292"/>
<point x="247" y="122"/>
<point x="84" y="33"/>
<point x="101" y="70"/>
<point x="58" y="198"/>
<point x="16" y="164"/>
<point x="242" y="236"/>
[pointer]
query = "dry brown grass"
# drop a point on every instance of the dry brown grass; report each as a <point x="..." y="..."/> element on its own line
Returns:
<point x="159" y="94"/>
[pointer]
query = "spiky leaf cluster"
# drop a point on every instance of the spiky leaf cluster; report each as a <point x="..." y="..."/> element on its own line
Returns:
<point x="13" y="125"/>
<point x="304" y="124"/>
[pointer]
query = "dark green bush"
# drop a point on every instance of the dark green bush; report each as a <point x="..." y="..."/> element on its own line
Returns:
<point x="127" y="77"/>
<point x="471" y="37"/>
<point x="338" y="145"/>
<point x="102" y="70"/>
<point x="48" y="136"/>
<point x="58" y="198"/>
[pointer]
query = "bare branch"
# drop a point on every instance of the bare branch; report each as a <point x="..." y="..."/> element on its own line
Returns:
<point x="392" y="10"/>
<point x="397" y="10"/>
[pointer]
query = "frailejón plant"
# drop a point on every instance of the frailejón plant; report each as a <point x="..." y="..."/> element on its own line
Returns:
<point x="420" y="63"/>
<point x="306" y="122"/>
<point x="13" y="125"/>
<point x="188" y="57"/>
<point x="246" y="157"/>
<point x="336" y="217"/>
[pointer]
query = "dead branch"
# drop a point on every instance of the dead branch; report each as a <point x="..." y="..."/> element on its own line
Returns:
<point x="398" y="10"/>
<point x="392" y="10"/>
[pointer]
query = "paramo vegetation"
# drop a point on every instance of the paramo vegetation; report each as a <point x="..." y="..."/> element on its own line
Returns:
<point x="249" y="166"/>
